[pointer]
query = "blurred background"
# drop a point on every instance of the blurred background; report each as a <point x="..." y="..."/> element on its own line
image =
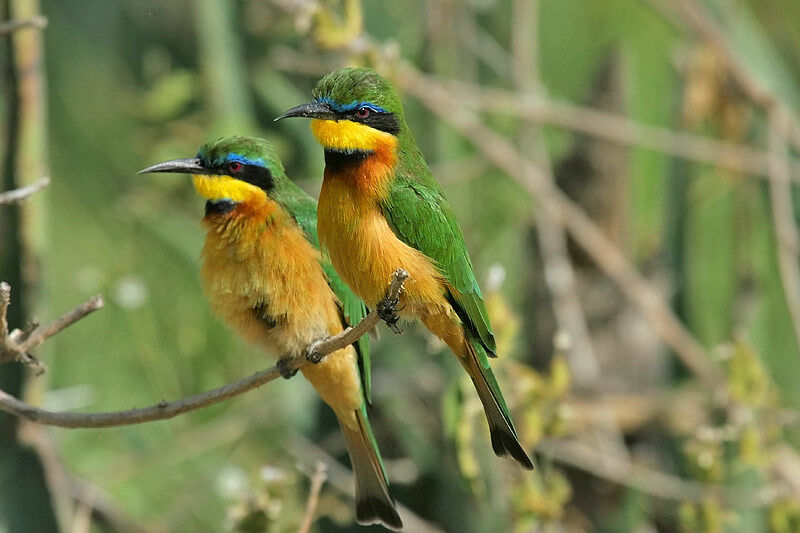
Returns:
<point x="623" y="173"/>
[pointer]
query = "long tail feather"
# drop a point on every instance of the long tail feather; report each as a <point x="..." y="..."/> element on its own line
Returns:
<point x="504" y="436"/>
<point x="374" y="503"/>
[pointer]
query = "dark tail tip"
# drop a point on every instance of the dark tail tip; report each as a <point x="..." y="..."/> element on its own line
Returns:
<point x="506" y="443"/>
<point x="376" y="511"/>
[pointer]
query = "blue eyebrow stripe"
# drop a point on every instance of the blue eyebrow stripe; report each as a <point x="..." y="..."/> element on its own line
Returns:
<point x="343" y="108"/>
<point x="244" y="160"/>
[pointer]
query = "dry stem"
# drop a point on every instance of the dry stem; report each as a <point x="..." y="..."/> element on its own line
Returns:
<point x="654" y="482"/>
<point x="15" y="345"/>
<point x="600" y="248"/>
<point x="17" y="195"/>
<point x="10" y="26"/>
<point x="317" y="480"/>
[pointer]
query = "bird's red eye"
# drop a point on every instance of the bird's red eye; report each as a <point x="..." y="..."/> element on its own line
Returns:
<point x="362" y="112"/>
<point x="234" y="166"/>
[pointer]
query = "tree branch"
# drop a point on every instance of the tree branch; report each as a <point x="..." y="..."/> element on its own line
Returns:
<point x="697" y="18"/>
<point x="41" y="334"/>
<point x="587" y="235"/>
<point x="15" y="345"/>
<point x="341" y="478"/>
<point x="317" y="480"/>
<point x="165" y="410"/>
<point x="10" y="26"/>
<point x="787" y="240"/>
<point x="654" y="482"/>
<point x="17" y="195"/>
<point x="612" y="127"/>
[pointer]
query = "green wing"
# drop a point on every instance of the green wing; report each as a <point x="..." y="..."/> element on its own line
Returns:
<point x="420" y="216"/>
<point x="304" y="211"/>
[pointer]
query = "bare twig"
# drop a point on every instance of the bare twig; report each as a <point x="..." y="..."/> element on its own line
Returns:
<point x="696" y="17"/>
<point x="165" y="410"/>
<point x="558" y="272"/>
<point x="15" y="345"/>
<point x="10" y="26"/>
<point x="341" y="478"/>
<point x="587" y="235"/>
<point x="5" y="300"/>
<point x="654" y="482"/>
<point x="17" y="195"/>
<point x="317" y="480"/>
<point x="41" y="334"/>
<point x="619" y="129"/>
<point x="787" y="238"/>
<point x="612" y="127"/>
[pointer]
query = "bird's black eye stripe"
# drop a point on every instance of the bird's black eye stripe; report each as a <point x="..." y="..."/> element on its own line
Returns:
<point x="253" y="174"/>
<point x="376" y="119"/>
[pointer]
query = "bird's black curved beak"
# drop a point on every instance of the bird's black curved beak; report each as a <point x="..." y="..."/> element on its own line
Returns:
<point x="192" y="165"/>
<point x="319" y="110"/>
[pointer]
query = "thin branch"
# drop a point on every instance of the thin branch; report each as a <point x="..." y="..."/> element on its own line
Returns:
<point x="42" y="333"/>
<point x="165" y="410"/>
<point x="15" y="345"/>
<point x="586" y="233"/>
<point x="317" y="480"/>
<point x="341" y="478"/>
<point x="612" y="127"/>
<point x="696" y="17"/>
<point x="787" y="238"/>
<point x="654" y="482"/>
<point x="17" y="195"/>
<point x="622" y="130"/>
<point x="5" y="301"/>
<point x="559" y="274"/>
<point x="10" y="26"/>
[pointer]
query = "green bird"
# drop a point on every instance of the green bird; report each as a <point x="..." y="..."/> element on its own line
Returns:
<point x="380" y="208"/>
<point x="264" y="276"/>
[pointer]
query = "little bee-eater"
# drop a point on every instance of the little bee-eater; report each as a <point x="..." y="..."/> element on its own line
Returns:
<point x="380" y="208"/>
<point x="265" y="278"/>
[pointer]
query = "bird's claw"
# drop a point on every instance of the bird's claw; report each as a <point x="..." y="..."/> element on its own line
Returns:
<point x="286" y="368"/>
<point x="387" y="311"/>
<point x="312" y="355"/>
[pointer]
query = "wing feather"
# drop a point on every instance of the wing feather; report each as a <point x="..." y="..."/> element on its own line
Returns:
<point x="420" y="216"/>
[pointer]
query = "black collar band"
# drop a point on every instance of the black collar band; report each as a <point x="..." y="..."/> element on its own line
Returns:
<point x="220" y="207"/>
<point x="338" y="159"/>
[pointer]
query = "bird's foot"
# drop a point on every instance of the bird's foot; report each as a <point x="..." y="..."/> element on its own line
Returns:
<point x="387" y="311"/>
<point x="286" y="367"/>
<point x="312" y="355"/>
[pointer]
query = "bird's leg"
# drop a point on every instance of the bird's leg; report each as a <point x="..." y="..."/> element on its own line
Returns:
<point x="285" y="367"/>
<point x="387" y="311"/>
<point x="312" y="354"/>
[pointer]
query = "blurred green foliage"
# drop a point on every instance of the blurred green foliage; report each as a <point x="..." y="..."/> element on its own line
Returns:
<point x="132" y="83"/>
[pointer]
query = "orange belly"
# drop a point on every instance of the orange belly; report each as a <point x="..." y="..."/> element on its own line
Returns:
<point x="365" y="252"/>
<point x="250" y="265"/>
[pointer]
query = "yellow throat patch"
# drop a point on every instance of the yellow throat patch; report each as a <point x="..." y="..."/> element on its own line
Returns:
<point x="349" y="135"/>
<point x="225" y="188"/>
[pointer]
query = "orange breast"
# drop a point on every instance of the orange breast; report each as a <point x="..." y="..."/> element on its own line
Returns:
<point x="364" y="249"/>
<point x="256" y="261"/>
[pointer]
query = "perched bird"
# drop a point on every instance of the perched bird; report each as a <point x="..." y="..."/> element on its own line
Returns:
<point x="265" y="278"/>
<point x="380" y="208"/>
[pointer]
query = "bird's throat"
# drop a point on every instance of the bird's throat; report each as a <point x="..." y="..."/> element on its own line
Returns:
<point x="220" y="207"/>
<point x="341" y="160"/>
